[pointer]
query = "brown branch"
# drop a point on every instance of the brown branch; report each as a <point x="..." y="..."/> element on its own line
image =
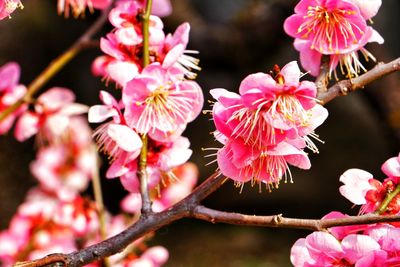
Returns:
<point x="57" y="64"/>
<point x="278" y="221"/>
<point x="344" y="87"/>
<point x="147" y="223"/>
<point x="323" y="78"/>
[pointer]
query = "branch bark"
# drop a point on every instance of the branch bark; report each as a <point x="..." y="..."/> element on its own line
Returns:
<point x="278" y="221"/>
<point x="344" y="87"/>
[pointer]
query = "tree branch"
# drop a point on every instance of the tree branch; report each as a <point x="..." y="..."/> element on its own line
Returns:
<point x="344" y="87"/>
<point x="278" y="221"/>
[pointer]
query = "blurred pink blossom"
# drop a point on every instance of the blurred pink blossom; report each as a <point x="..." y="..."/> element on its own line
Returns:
<point x="10" y="92"/>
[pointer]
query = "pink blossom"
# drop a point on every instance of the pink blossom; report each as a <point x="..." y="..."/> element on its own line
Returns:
<point x="391" y="168"/>
<point x="334" y="28"/>
<point x="129" y="30"/>
<point x="243" y="163"/>
<point x="78" y="7"/>
<point x="177" y="188"/>
<point x="268" y="111"/>
<point x="362" y="189"/>
<point x="10" y="92"/>
<point x="172" y="52"/>
<point x="356" y="185"/>
<point x="9" y="6"/>
<point x="159" y="102"/>
<point x="58" y="170"/>
<point x="162" y="157"/>
<point x="51" y="117"/>
<point x="267" y="126"/>
<point x="115" y="138"/>
<point x="323" y="249"/>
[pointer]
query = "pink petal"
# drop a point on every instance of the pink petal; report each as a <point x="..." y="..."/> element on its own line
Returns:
<point x="125" y="137"/>
<point x="391" y="167"/>
<point x="161" y="8"/>
<point x="122" y="72"/>
<point x="291" y="73"/>
<point x="356" y="185"/>
<point x="258" y="80"/>
<point x="368" y="8"/>
<point x="323" y="246"/>
<point x="310" y="59"/>
<point x="9" y="76"/>
<point x="26" y="126"/>
<point x="299" y="253"/>
<point x="100" y="113"/>
<point x="55" y="98"/>
<point x="357" y="246"/>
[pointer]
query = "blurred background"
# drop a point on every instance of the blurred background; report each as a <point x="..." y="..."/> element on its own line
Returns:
<point x="235" y="38"/>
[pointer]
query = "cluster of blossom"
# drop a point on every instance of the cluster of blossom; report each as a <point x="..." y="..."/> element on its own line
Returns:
<point x="55" y="217"/>
<point x="337" y="29"/>
<point x="267" y="126"/>
<point x="157" y="101"/>
<point x="361" y="245"/>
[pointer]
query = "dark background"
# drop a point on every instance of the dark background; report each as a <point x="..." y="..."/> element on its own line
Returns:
<point x="235" y="38"/>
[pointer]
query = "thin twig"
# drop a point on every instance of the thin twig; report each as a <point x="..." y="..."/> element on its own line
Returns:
<point x="142" y="173"/>
<point x="389" y="197"/>
<point x="57" y="64"/>
<point x="344" y="87"/>
<point x="278" y="221"/>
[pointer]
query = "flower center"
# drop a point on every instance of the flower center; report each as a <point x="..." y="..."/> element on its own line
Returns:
<point x="289" y="108"/>
<point x="330" y="30"/>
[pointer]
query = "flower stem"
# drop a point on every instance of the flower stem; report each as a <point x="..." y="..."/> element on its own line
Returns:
<point x="146" y="201"/>
<point x="389" y="197"/>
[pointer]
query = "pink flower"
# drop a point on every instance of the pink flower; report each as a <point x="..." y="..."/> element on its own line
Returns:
<point x="177" y="188"/>
<point x="10" y="92"/>
<point x="78" y="7"/>
<point x="323" y="249"/>
<point x="162" y="157"/>
<point x="243" y="163"/>
<point x="115" y="138"/>
<point x="391" y="168"/>
<point x="159" y="102"/>
<point x="172" y="52"/>
<point x="124" y="17"/>
<point x="51" y="117"/>
<point x="9" y="6"/>
<point x="362" y="189"/>
<point x="334" y="28"/>
<point x="267" y="126"/>
<point x="356" y="185"/>
<point x="58" y="170"/>
<point x="268" y="111"/>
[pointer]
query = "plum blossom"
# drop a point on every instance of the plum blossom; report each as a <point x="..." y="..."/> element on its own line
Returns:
<point x="9" y="6"/>
<point x="323" y="249"/>
<point x="267" y="126"/>
<point x="162" y="157"/>
<point x="51" y="116"/>
<point x="362" y="189"/>
<point x="115" y="138"/>
<point x="160" y="103"/>
<point x="170" y="192"/>
<point x="10" y="92"/>
<point x="65" y="169"/>
<point x="337" y="29"/>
